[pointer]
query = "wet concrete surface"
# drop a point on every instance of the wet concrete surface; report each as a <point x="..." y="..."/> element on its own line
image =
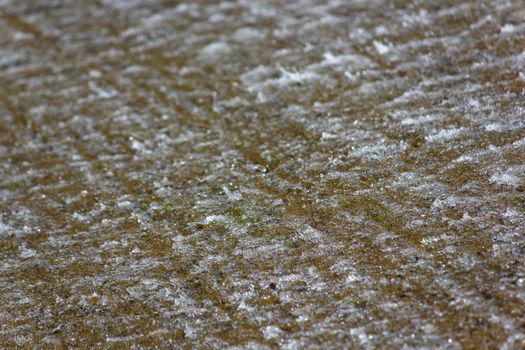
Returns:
<point x="261" y="174"/>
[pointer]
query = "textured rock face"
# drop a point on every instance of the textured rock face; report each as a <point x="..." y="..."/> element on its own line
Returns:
<point x="261" y="174"/>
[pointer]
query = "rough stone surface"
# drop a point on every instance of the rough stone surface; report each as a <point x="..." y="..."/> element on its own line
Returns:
<point x="259" y="174"/>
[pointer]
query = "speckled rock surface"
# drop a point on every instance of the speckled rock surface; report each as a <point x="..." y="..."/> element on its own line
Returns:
<point x="261" y="174"/>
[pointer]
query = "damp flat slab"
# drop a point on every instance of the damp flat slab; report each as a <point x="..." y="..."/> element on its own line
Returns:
<point x="262" y="174"/>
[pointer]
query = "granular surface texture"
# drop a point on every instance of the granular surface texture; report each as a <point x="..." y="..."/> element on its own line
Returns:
<point x="261" y="174"/>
